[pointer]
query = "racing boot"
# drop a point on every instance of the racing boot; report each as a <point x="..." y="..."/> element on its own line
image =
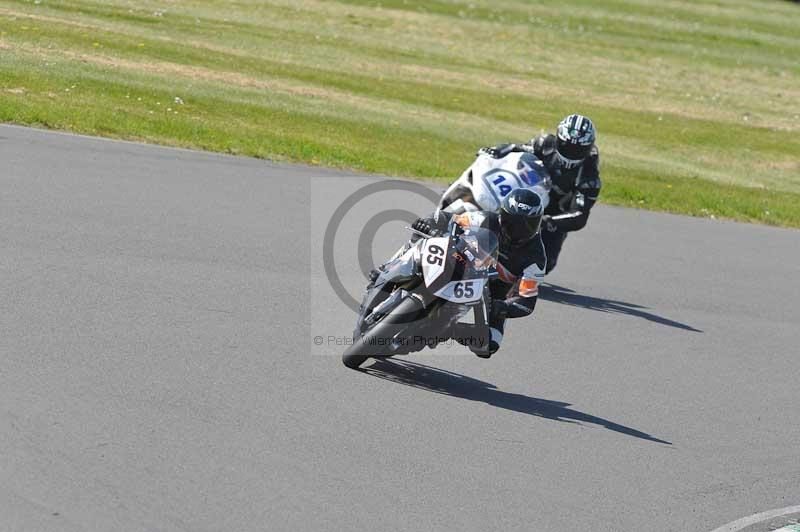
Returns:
<point x="490" y="347"/>
<point x="480" y="339"/>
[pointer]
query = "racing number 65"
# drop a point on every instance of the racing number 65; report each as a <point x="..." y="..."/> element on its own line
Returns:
<point x="463" y="289"/>
<point x="435" y="254"/>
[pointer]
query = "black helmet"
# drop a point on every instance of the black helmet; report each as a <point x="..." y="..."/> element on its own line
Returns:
<point x="575" y="138"/>
<point x="521" y="215"/>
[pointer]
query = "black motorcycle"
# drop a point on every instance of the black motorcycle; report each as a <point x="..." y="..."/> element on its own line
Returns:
<point x="422" y="293"/>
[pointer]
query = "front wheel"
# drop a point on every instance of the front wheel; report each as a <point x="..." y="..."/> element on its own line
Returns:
<point x="375" y="342"/>
<point x="353" y="360"/>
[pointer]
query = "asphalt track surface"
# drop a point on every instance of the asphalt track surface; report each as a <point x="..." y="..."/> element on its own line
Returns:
<point x="158" y="370"/>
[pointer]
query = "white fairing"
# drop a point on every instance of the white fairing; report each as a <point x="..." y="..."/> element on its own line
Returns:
<point x="433" y="258"/>
<point x="493" y="179"/>
<point x="463" y="291"/>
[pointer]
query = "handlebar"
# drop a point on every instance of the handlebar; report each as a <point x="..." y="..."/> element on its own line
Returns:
<point x="420" y="233"/>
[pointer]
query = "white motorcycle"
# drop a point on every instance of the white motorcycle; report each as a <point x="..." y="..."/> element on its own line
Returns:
<point x="422" y="294"/>
<point x="487" y="181"/>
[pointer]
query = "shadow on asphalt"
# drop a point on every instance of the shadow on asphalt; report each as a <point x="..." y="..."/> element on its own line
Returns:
<point x="457" y="385"/>
<point x="559" y="294"/>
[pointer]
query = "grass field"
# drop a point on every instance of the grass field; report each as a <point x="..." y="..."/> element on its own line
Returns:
<point x="697" y="103"/>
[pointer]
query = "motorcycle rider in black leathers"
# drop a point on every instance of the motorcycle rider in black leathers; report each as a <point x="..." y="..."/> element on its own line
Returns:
<point x="573" y="161"/>
<point x="521" y="261"/>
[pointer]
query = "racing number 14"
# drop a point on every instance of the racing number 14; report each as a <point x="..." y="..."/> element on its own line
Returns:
<point x="504" y="189"/>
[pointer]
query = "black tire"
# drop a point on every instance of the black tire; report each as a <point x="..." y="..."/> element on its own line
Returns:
<point x="353" y="360"/>
<point x="371" y="343"/>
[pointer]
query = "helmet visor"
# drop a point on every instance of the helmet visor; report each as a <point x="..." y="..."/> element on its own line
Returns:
<point x="573" y="150"/>
<point x="517" y="228"/>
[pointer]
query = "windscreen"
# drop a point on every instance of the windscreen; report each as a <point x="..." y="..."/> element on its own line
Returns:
<point x="531" y="170"/>
<point x="479" y="247"/>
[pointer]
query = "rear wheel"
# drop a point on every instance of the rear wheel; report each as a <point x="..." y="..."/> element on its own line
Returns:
<point x="375" y="342"/>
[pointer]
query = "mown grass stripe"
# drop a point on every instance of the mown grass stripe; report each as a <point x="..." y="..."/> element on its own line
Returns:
<point x="685" y="94"/>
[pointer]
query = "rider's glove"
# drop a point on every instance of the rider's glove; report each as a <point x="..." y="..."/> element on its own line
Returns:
<point x="515" y="307"/>
<point x="548" y="224"/>
<point x="423" y="225"/>
<point x="499" y="309"/>
<point x="497" y="152"/>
